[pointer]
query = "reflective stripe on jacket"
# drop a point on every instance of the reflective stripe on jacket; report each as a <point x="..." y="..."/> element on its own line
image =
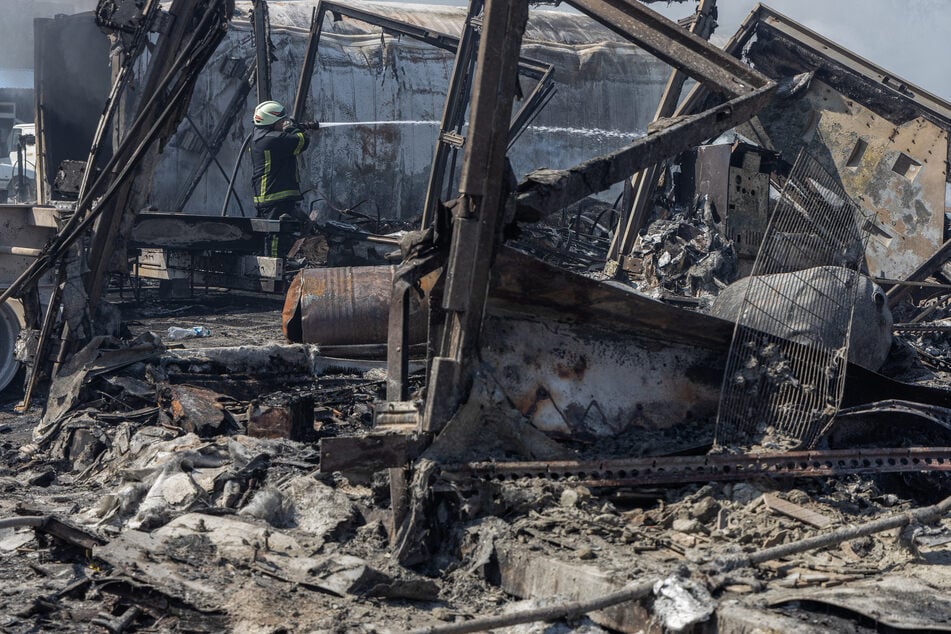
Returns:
<point x="274" y="160"/>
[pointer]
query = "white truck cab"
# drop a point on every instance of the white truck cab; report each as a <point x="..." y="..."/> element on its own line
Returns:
<point x="10" y="189"/>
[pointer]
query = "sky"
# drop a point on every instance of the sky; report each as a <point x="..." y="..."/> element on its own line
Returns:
<point x="911" y="38"/>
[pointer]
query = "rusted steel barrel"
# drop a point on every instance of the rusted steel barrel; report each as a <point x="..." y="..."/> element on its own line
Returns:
<point x="346" y="306"/>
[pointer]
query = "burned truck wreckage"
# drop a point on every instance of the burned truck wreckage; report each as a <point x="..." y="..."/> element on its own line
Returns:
<point x="586" y="325"/>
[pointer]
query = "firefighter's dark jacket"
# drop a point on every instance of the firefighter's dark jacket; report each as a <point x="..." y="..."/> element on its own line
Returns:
<point x="274" y="157"/>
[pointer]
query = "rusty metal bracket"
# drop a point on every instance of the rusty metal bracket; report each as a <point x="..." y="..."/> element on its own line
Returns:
<point x="388" y="447"/>
<point x="452" y="139"/>
<point x="421" y="258"/>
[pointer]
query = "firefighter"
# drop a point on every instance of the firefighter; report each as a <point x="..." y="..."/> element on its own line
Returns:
<point x="275" y="145"/>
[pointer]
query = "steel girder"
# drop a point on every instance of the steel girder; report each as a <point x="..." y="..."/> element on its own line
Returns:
<point x="545" y="191"/>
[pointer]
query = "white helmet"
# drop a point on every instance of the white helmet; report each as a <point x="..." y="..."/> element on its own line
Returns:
<point x="268" y="113"/>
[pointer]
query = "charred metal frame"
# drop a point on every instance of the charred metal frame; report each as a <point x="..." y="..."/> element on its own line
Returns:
<point x="633" y="216"/>
<point x="262" y="46"/>
<point x="544" y="191"/>
<point x="163" y="100"/>
<point x="398" y="329"/>
<point x="307" y="67"/>
<point x="448" y="143"/>
<point x="149" y="14"/>
<point x="449" y="140"/>
<point x="477" y="210"/>
<point x="672" y="44"/>
<point x="640" y="188"/>
<point x="171" y="56"/>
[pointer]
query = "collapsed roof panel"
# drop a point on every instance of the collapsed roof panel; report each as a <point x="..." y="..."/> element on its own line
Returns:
<point x="886" y="139"/>
<point x="804" y="49"/>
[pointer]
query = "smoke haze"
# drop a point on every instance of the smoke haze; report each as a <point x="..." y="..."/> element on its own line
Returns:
<point x="16" y="26"/>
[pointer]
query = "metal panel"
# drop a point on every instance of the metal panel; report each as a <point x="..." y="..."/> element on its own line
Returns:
<point x="581" y="381"/>
<point x="860" y="119"/>
<point x="735" y="180"/>
<point x="581" y="358"/>
<point x="24" y="231"/>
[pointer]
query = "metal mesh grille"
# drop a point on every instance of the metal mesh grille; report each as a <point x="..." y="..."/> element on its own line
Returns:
<point x="786" y="367"/>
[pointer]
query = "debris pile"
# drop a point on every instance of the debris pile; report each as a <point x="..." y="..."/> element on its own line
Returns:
<point x="479" y="423"/>
<point x="684" y="255"/>
<point x="244" y="533"/>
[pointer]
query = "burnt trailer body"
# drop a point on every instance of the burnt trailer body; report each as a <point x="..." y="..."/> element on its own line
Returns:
<point x="886" y="139"/>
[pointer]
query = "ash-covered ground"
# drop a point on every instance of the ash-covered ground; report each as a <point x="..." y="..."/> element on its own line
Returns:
<point x="188" y="525"/>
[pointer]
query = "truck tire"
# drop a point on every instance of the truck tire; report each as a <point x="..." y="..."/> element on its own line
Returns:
<point x="10" y="324"/>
